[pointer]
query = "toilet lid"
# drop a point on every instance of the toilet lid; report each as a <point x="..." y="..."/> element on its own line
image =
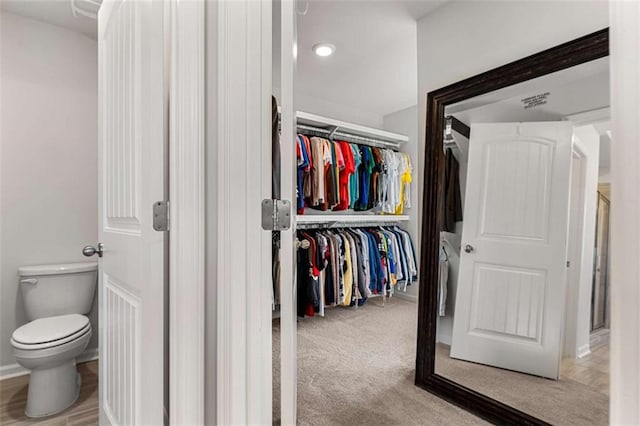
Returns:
<point x="50" y="329"/>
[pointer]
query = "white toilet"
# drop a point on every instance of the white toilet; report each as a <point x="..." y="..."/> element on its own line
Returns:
<point x="56" y="299"/>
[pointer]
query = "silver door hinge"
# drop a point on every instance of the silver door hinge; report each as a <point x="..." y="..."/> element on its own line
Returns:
<point x="276" y="215"/>
<point x="161" y="216"/>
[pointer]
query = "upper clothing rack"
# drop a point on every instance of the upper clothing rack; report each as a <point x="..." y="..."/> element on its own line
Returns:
<point x="350" y="132"/>
<point x="312" y="124"/>
<point x="316" y="125"/>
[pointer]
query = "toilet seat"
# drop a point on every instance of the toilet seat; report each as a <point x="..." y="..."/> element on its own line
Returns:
<point x="49" y="332"/>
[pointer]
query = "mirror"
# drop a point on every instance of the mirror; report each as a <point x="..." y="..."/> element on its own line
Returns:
<point x="516" y="306"/>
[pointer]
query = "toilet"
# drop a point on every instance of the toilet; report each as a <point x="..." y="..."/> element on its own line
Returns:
<point x="56" y="300"/>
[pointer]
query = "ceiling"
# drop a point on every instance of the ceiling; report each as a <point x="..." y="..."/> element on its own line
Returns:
<point x="374" y="68"/>
<point x="580" y="89"/>
<point x="56" y="12"/>
<point x="375" y="65"/>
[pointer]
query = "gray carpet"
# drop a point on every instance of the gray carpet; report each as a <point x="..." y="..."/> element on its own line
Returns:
<point x="356" y="367"/>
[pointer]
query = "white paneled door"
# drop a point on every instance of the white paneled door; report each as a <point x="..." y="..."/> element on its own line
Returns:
<point x="131" y="178"/>
<point x="512" y="280"/>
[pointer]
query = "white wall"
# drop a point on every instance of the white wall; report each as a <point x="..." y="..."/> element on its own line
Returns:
<point x="625" y="213"/>
<point x="48" y="178"/>
<point x="313" y="105"/>
<point x="405" y="122"/>
<point x="336" y="110"/>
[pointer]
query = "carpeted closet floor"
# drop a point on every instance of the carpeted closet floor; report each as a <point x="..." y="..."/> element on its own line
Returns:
<point x="356" y="367"/>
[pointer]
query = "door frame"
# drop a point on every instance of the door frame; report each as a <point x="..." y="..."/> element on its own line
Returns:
<point x="587" y="141"/>
<point x="572" y="53"/>
<point x="186" y="40"/>
<point x="574" y="251"/>
<point x="601" y="200"/>
<point x="288" y="299"/>
<point x="237" y="129"/>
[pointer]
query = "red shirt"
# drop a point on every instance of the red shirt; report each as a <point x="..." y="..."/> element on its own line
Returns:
<point x="349" y="169"/>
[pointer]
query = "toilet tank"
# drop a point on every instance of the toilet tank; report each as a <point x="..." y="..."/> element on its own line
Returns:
<point x="50" y="290"/>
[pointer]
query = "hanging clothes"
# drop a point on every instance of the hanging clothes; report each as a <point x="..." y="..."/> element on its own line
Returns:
<point x="338" y="175"/>
<point x="452" y="202"/>
<point x="304" y="166"/>
<point x="354" y="187"/>
<point x="321" y="158"/>
<point x="344" y="267"/>
<point x="404" y="171"/>
<point x="275" y="193"/>
<point x="345" y="175"/>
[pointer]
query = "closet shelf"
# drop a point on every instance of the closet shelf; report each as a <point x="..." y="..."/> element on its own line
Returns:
<point x="352" y="220"/>
<point x="457" y="140"/>
<point x="358" y="134"/>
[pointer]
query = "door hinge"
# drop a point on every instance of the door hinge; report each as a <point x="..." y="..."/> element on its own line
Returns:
<point x="568" y="264"/>
<point x="161" y="216"/>
<point x="276" y="215"/>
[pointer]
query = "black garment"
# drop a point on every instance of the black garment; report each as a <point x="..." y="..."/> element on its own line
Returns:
<point x="275" y="193"/>
<point x="329" y="285"/>
<point x="451" y="202"/>
<point x="302" y="280"/>
<point x="307" y="283"/>
<point x="275" y="150"/>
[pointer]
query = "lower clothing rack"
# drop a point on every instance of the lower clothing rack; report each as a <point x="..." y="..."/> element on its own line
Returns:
<point x="327" y="220"/>
<point x="304" y="244"/>
<point x="333" y="224"/>
<point x="344" y="224"/>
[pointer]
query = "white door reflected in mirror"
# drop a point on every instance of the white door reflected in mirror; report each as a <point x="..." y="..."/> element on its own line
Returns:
<point x="511" y="292"/>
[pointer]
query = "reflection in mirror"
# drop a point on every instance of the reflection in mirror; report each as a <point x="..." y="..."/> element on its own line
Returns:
<point x="523" y="278"/>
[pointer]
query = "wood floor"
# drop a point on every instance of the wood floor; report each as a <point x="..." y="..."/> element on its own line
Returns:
<point x="13" y="397"/>
<point x="591" y="370"/>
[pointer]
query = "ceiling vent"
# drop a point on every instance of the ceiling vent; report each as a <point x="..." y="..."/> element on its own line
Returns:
<point x="87" y="8"/>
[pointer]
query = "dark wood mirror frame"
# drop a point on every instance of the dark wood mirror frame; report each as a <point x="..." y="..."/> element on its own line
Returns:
<point x="576" y="52"/>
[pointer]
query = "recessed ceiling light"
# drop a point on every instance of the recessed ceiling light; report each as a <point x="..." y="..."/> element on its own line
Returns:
<point x="323" y="49"/>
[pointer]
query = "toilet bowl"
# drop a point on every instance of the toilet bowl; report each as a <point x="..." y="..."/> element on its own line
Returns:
<point x="56" y="297"/>
<point x="49" y="347"/>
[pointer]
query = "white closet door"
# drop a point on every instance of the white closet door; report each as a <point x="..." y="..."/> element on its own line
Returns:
<point x="131" y="178"/>
<point x="511" y="286"/>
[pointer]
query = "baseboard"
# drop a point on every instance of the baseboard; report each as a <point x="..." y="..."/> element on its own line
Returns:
<point x="444" y="339"/>
<point x="406" y="296"/>
<point x="599" y="338"/>
<point x="584" y="350"/>
<point x="15" y="370"/>
<point x="88" y="355"/>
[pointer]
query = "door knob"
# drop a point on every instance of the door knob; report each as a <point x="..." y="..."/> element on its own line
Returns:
<point x="91" y="250"/>
<point x="468" y="248"/>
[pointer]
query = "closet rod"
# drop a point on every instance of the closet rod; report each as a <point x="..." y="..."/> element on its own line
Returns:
<point x="333" y="134"/>
<point x="339" y="224"/>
